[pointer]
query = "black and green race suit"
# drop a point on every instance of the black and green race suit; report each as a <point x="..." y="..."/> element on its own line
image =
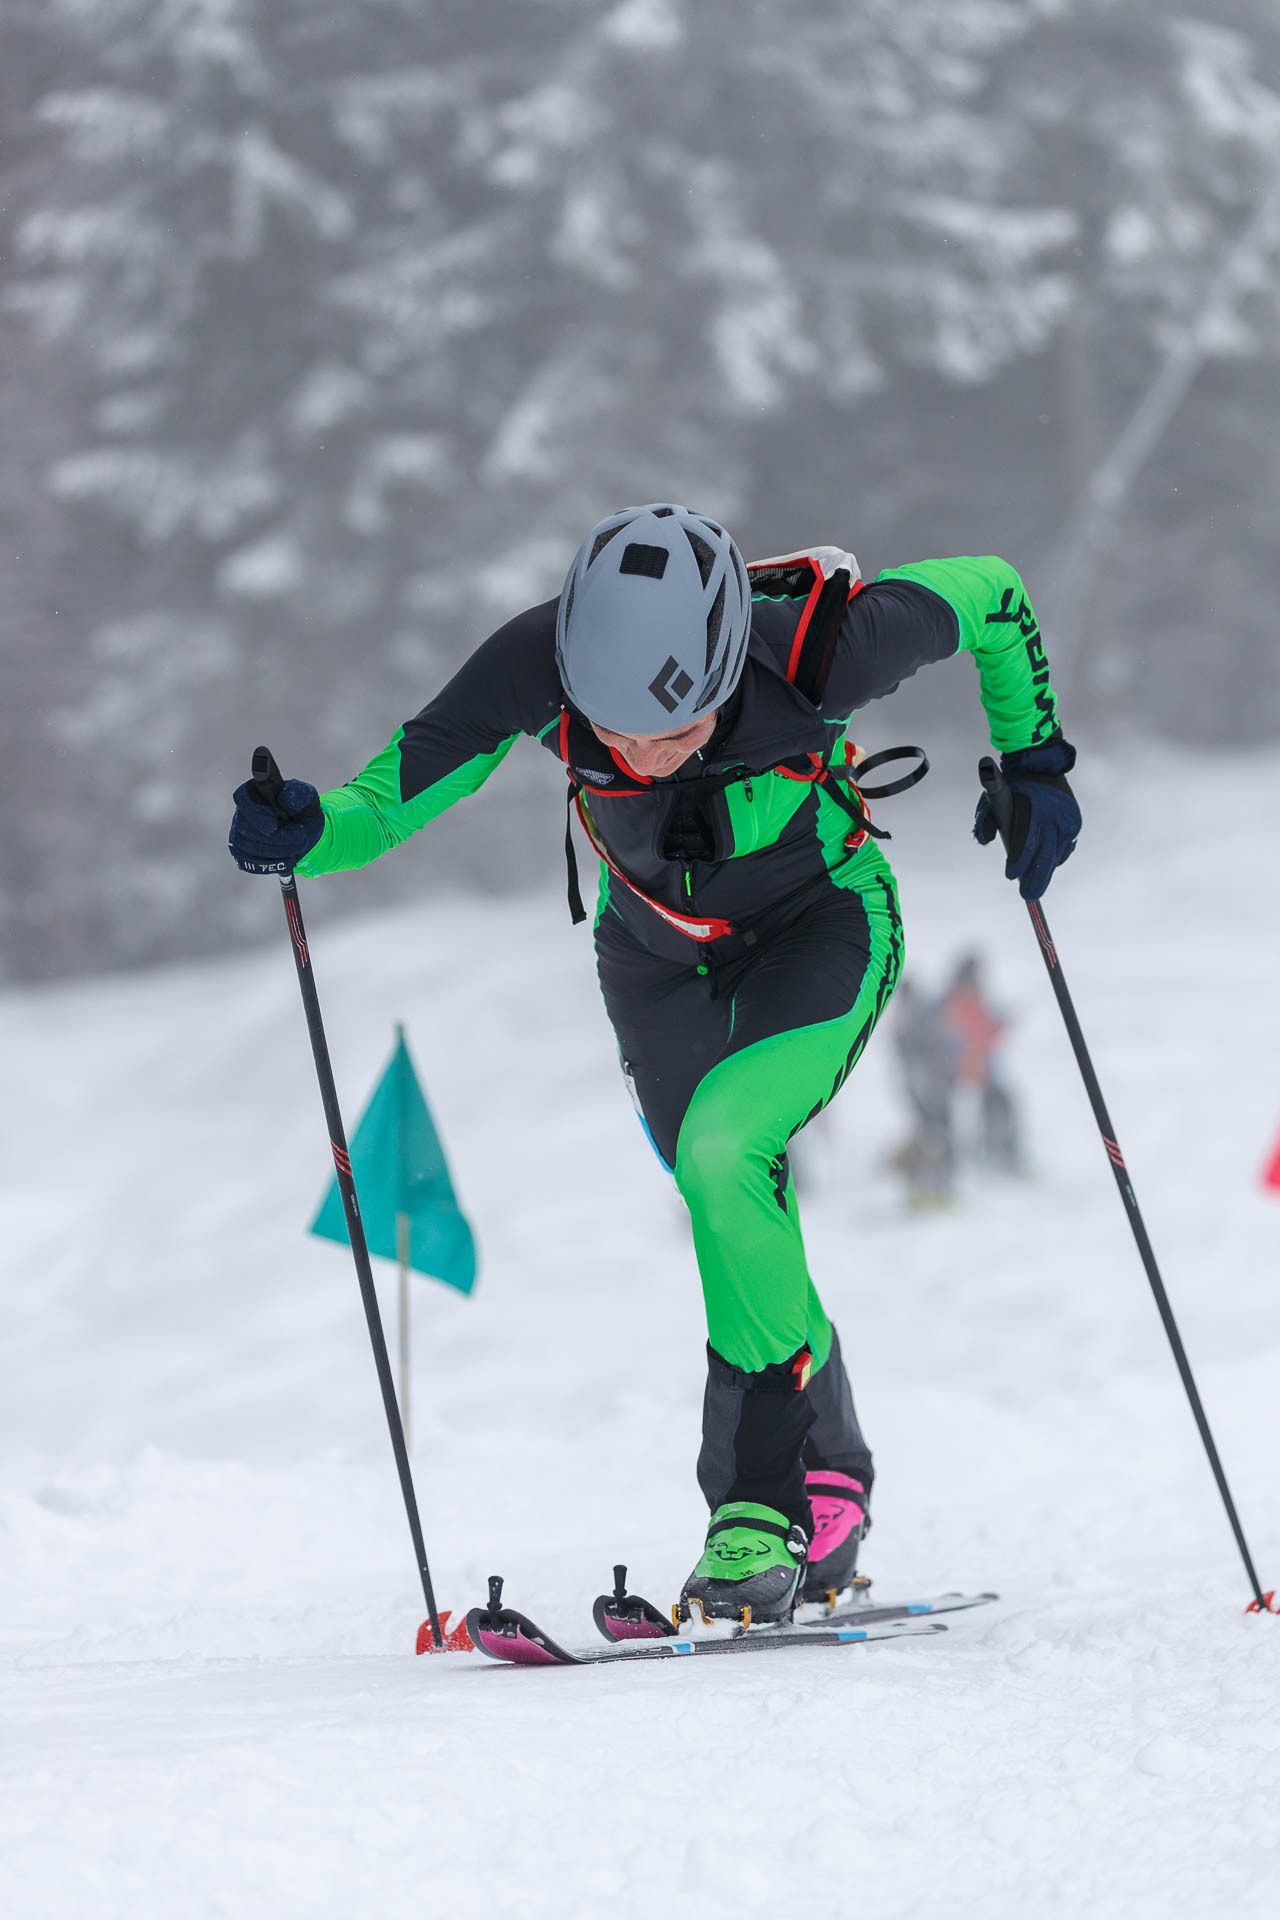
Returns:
<point x="731" y="1043"/>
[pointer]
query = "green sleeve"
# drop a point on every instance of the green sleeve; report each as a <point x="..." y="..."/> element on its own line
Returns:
<point x="999" y="629"/>
<point x="367" y="817"/>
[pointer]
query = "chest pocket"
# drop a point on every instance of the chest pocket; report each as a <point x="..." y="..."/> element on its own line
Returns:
<point x="760" y="809"/>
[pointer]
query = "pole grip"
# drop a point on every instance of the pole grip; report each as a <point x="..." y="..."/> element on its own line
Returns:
<point x="266" y="779"/>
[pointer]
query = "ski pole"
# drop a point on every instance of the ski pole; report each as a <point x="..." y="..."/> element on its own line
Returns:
<point x="1002" y="811"/>
<point x="267" y="782"/>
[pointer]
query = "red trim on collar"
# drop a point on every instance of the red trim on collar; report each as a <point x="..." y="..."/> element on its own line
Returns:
<point x="645" y="779"/>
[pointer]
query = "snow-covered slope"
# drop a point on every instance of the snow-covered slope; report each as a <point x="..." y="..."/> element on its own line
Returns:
<point x="211" y="1706"/>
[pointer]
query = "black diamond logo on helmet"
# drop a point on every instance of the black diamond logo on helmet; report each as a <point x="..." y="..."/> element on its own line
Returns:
<point x="670" y="683"/>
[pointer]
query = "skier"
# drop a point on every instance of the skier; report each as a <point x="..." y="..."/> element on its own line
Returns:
<point x="977" y="1033"/>
<point x="747" y="929"/>
<point x="927" y="1059"/>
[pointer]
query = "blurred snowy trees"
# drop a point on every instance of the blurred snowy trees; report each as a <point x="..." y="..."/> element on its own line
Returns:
<point x="326" y="329"/>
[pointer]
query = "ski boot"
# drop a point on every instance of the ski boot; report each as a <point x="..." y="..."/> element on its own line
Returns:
<point x="840" y="1519"/>
<point x="750" y="1567"/>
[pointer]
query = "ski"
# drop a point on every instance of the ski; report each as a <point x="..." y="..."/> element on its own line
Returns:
<point x="513" y="1639"/>
<point x="622" y="1617"/>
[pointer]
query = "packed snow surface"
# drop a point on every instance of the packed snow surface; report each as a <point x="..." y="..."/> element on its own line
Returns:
<point x="211" y="1702"/>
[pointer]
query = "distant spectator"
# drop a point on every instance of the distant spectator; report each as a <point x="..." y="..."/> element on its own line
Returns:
<point x="975" y="1031"/>
<point x="926" y="1054"/>
<point x="949" y="1051"/>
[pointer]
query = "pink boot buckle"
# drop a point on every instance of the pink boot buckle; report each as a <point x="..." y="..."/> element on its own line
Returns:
<point x="837" y="1503"/>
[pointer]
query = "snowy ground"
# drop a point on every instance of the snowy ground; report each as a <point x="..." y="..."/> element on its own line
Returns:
<point x="210" y="1702"/>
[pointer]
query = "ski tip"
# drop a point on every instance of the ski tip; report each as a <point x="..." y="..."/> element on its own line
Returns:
<point x="453" y="1639"/>
<point x="514" y="1639"/>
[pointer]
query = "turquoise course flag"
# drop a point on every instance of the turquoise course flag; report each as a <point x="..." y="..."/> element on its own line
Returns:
<point x="399" y="1169"/>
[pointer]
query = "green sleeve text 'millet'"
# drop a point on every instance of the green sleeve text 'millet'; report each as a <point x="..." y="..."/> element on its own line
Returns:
<point x="999" y="629"/>
<point x="367" y="816"/>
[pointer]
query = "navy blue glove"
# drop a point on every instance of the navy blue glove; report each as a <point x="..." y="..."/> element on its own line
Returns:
<point x="273" y="838"/>
<point x="1046" y="818"/>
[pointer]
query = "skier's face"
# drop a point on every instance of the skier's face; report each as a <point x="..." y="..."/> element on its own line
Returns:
<point x="654" y="755"/>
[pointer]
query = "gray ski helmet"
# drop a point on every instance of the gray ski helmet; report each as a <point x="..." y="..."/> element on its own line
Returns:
<point x="652" y="627"/>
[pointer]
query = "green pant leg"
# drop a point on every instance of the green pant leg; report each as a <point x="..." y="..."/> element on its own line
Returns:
<point x="759" y="1296"/>
<point x="817" y="1326"/>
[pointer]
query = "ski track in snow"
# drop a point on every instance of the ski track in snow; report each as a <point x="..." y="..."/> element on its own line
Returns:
<point x="207" y="1598"/>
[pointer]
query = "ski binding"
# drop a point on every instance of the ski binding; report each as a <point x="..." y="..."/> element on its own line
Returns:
<point x="637" y="1630"/>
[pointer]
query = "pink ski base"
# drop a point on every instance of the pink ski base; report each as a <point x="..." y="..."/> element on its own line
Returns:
<point x="517" y="1648"/>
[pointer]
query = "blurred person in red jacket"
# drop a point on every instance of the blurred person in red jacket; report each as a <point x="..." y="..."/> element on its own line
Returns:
<point x="975" y="1032"/>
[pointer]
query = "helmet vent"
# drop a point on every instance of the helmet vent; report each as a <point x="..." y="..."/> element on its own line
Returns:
<point x="663" y="513"/>
<point x="649" y="561"/>
<point x="704" y="553"/>
<point x="714" y="619"/>
<point x="601" y="542"/>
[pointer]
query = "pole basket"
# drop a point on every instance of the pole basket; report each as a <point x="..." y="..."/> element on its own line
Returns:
<point x="1271" y="1605"/>
<point x="453" y="1640"/>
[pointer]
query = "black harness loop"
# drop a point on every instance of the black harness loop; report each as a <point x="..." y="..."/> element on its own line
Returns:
<point x="882" y="759"/>
<point x="853" y="775"/>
